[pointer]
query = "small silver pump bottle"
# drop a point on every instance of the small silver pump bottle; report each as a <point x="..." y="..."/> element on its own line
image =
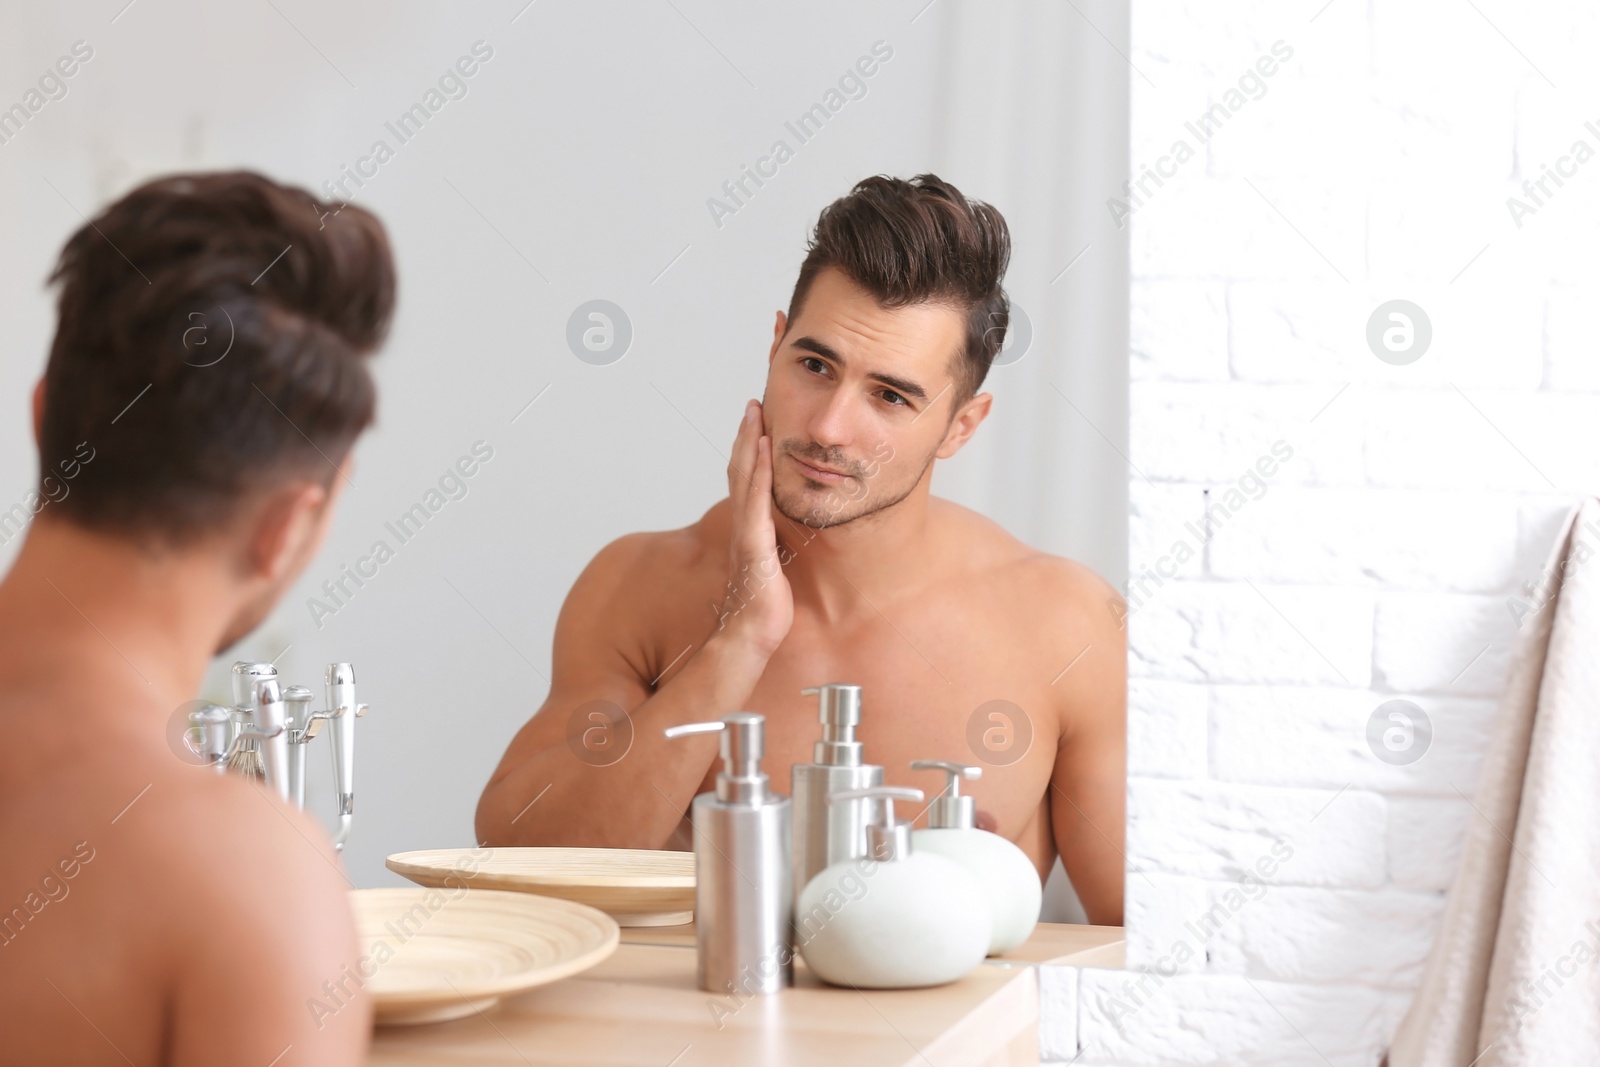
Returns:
<point x="825" y="834"/>
<point x="743" y="902"/>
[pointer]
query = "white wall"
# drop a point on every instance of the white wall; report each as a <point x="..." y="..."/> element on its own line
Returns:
<point x="1381" y="560"/>
<point x="578" y="166"/>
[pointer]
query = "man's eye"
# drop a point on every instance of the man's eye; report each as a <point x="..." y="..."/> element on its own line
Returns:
<point x="895" y="398"/>
<point x="807" y="362"/>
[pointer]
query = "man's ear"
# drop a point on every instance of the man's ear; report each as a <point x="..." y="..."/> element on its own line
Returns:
<point x="965" y="424"/>
<point x="288" y="527"/>
<point x="38" y="413"/>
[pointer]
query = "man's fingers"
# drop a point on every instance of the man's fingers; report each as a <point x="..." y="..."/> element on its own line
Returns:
<point x="749" y="489"/>
<point x="760" y="494"/>
<point x="740" y="462"/>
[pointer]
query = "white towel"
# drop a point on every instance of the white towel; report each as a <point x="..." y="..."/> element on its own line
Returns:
<point x="1514" y="978"/>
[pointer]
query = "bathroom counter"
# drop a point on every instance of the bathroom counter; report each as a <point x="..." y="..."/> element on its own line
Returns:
<point x="641" y="1007"/>
<point x="1071" y="944"/>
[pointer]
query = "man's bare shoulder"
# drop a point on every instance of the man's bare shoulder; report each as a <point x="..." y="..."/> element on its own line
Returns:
<point x="250" y="878"/>
<point x="1071" y="585"/>
<point x="222" y="841"/>
<point x="659" y="555"/>
<point x="218" y="898"/>
<point x="1046" y="586"/>
<point x="640" y="592"/>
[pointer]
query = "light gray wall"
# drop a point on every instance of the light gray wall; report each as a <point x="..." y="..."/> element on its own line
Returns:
<point x="578" y="166"/>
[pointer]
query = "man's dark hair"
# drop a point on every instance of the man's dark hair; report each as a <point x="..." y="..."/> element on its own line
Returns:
<point x="212" y="341"/>
<point x="914" y="242"/>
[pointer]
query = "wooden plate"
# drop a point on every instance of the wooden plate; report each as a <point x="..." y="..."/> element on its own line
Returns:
<point x="635" y="886"/>
<point x="433" y="954"/>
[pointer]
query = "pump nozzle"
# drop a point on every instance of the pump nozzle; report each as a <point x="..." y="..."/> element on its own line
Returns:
<point x="743" y="744"/>
<point x="950" y="809"/>
<point x="889" y="840"/>
<point x="839" y="709"/>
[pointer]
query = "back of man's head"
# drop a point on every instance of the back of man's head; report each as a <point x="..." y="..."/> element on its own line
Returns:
<point x="212" y="342"/>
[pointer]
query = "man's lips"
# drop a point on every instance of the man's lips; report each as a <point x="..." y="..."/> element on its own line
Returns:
<point x="821" y="474"/>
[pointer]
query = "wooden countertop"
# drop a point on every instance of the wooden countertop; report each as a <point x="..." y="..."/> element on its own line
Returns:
<point x="641" y="1007"/>
<point x="1069" y="944"/>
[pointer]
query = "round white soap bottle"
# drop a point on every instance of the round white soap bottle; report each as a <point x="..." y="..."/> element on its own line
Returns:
<point x="895" y="918"/>
<point x="1009" y="879"/>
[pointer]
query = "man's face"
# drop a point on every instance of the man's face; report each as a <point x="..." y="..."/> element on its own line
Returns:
<point x="860" y="390"/>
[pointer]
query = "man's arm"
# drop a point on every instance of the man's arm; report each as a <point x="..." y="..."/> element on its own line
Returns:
<point x="543" y="793"/>
<point x="1088" y="786"/>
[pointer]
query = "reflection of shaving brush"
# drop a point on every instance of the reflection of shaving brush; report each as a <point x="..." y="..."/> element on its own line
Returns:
<point x="246" y="760"/>
<point x="268" y="729"/>
<point x="255" y="702"/>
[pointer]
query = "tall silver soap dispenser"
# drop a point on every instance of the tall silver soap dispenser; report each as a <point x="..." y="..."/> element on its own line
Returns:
<point x="743" y="895"/>
<point x="825" y="834"/>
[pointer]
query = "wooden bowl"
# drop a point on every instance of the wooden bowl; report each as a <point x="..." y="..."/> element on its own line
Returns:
<point x="635" y="886"/>
<point x="435" y="954"/>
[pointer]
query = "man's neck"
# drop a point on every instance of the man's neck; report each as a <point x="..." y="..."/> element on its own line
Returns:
<point x="840" y="572"/>
<point x="156" y="618"/>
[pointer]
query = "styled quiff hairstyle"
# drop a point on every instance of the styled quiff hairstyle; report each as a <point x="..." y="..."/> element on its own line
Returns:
<point x="211" y="342"/>
<point x="914" y="242"/>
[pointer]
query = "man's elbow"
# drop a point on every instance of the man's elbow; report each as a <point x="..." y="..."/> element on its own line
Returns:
<point x="490" y="824"/>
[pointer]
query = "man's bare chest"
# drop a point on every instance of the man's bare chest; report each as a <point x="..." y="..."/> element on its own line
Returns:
<point x="933" y="688"/>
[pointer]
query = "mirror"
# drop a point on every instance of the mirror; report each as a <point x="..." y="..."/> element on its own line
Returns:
<point x="589" y="294"/>
<point x="600" y="231"/>
<point x="1266" y="463"/>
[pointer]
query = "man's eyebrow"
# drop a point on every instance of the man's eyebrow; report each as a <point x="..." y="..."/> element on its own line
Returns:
<point x="902" y="385"/>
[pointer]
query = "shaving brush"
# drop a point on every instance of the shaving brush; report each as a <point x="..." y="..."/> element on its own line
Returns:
<point x="247" y="679"/>
<point x="247" y="761"/>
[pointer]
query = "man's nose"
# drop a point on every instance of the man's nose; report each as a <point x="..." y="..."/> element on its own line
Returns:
<point x="830" y="425"/>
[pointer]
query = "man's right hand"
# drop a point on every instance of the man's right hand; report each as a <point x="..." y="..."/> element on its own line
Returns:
<point x="759" y="606"/>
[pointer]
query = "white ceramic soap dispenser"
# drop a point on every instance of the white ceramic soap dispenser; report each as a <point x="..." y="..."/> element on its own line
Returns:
<point x="1008" y="877"/>
<point x="894" y="918"/>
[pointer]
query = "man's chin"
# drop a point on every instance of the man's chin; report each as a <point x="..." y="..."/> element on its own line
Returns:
<point x="811" y="510"/>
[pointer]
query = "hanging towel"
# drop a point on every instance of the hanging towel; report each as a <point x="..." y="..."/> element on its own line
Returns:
<point x="1514" y="977"/>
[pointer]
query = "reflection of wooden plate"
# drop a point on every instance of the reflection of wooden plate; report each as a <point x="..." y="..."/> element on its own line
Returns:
<point x="635" y="886"/>
<point x="434" y="954"/>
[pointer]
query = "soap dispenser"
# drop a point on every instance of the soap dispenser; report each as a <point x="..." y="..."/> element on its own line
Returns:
<point x="896" y="918"/>
<point x="1008" y="877"/>
<point x="743" y="897"/>
<point x="826" y="833"/>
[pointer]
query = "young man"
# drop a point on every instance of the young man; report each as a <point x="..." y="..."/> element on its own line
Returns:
<point x="194" y="423"/>
<point x="830" y="561"/>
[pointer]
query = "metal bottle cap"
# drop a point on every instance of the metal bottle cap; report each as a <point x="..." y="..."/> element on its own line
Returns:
<point x="297" y="714"/>
<point x="744" y="741"/>
<point x="951" y="810"/>
<point x="246" y="677"/>
<point x="889" y="840"/>
<point x="839" y="708"/>
<point x="209" y="725"/>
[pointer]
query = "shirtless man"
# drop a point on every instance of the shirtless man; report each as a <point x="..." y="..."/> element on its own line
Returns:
<point x="829" y="561"/>
<point x="206" y="377"/>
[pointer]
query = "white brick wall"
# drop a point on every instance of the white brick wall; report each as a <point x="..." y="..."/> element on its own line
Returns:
<point x="1382" y="559"/>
